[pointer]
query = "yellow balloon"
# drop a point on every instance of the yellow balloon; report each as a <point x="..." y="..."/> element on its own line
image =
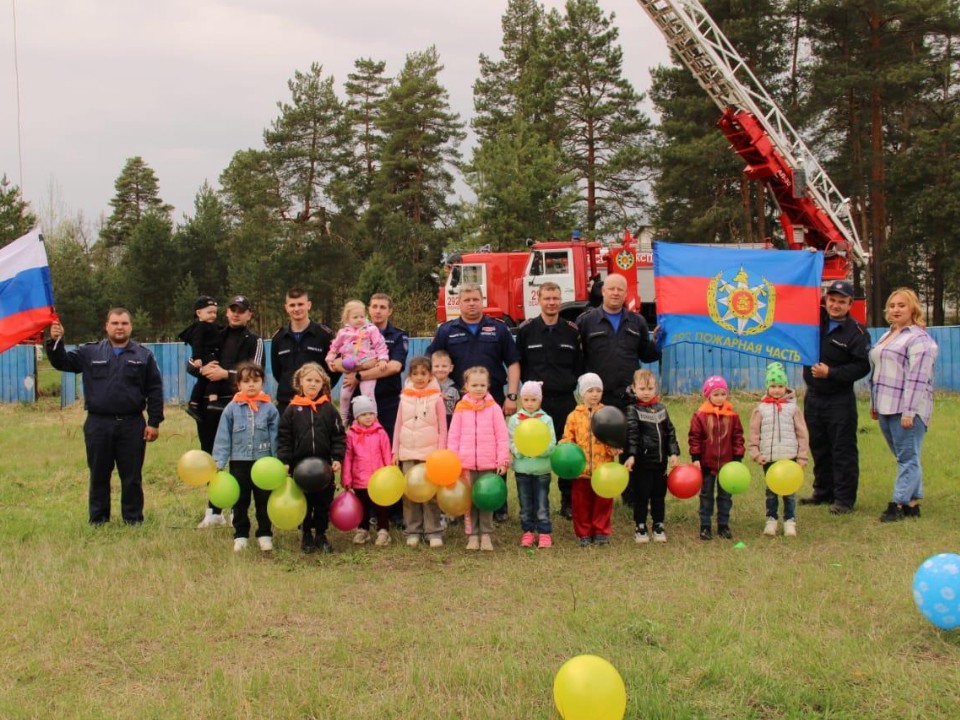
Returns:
<point x="386" y="485"/>
<point x="454" y="499"/>
<point x="532" y="437"/>
<point x="609" y="479"/>
<point x="785" y="477"/>
<point x="287" y="506"/>
<point x="196" y="467"/>
<point x="419" y="489"/>
<point x="588" y="687"/>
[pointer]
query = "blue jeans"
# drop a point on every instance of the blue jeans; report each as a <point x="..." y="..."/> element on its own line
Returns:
<point x="789" y="501"/>
<point x="905" y="444"/>
<point x="534" y="494"/>
<point x="724" y="500"/>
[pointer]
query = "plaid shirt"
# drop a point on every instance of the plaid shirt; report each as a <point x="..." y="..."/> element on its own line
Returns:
<point x="901" y="380"/>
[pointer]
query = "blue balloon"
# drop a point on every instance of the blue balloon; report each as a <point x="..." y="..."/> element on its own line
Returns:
<point x="936" y="590"/>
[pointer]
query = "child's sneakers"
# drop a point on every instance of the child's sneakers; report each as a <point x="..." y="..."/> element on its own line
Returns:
<point x="323" y="545"/>
<point x="473" y="542"/>
<point x="266" y="543"/>
<point x="724" y="532"/>
<point x="641" y="536"/>
<point x="486" y="543"/>
<point x="770" y="528"/>
<point x="383" y="538"/>
<point x="526" y="540"/>
<point x="545" y="541"/>
<point x="413" y="541"/>
<point x="240" y="544"/>
<point x="659" y="535"/>
<point x="361" y="537"/>
<point x="436" y="542"/>
<point x="601" y="539"/>
<point x="586" y="541"/>
<point x="790" y="528"/>
<point x="210" y="520"/>
<point x="705" y="533"/>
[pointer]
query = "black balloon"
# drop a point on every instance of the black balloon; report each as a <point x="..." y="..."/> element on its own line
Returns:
<point x="313" y="474"/>
<point x="609" y="425"/>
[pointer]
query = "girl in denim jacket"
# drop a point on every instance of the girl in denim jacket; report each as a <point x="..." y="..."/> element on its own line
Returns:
<point x="248" y="432"/>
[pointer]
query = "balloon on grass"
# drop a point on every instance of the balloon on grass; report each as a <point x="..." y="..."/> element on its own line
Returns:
<point x="609" y="479"/>
<point x="443" y="467"/>
<point x="532" y="437"/>
<point x="734" y="477"/>
<point x="685" y="481"/>
<point x="490" y="491"/>
<point x="609" y="425"/>
<point x="785" y="477"/>
<point x="419" y="489"/>
<point x="386" y="485"/>
<point x="936" y="590"/>
<point x="287" y="506"/>
<point x="587" y="687"/>
<point x="313" y="474"/>
<point x="346" y="511"/>
<point x="268" y="473"/>
<point x="568" y="460"/>
<point x="454" y="499"/>
<point x="224" y="490"/>
<point x="196" y="467"/>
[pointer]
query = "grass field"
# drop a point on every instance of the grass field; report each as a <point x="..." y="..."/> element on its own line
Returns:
<point x="165" y="621"/>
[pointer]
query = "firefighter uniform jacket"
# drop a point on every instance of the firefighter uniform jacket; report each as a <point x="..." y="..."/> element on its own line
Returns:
<point x="492" y="347"/>
<point x="287" y="355"/>
<point x="845" y="351"/>
<point x="551" y="354"/>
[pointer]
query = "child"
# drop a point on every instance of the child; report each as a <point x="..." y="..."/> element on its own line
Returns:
<point x="421" y="428"/>
<point x="591" y="513"/>
<point x="360" y="347"/>
<point x="478" y="435"/>
<point x="778" y="432"/>
<point x="442" y="366"/>
<point x="533" y="473"/>
<point x="652" y="450"/>
<point x="368" y="450"/>
<point x="311" y="427"/>
<point x="203" y="337"/>
<point x="716" y="438"/>
<point x="247" y="432"/>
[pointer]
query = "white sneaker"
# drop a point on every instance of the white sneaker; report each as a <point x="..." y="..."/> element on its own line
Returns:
<point x="436" y="542"/>
<point x="360" y="537"/>
<point x="383" y="538"/>
<point x="659" y="534"/>
<point x="641" y="536"/>
<point x="790" y="528"/>
<point x="486" y="543"/>
<point x="240" y="544"/>
<point x="473" y="542"/>
<point x="265" y="543"/>
<point x="413" y="541"/>
<point x="771" y="527"/>
<point x="210" y="520"/>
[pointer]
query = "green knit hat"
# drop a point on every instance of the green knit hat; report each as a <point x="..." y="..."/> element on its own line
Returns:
<point x="776" y="374"/>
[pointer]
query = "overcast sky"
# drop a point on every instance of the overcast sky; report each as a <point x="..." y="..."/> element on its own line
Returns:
<point x="187" y="83"/>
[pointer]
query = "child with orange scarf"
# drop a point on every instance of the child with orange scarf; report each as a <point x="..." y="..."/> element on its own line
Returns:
<point x="716" y="438"/>
<point x="246" y="433"/>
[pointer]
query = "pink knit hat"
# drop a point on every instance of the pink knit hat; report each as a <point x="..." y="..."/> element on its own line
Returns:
<point x="714" y="382"/>
<point x="532" y="388"/>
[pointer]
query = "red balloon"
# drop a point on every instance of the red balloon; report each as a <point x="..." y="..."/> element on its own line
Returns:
<point x="346" y="511"/>
<point x="685" y="481"/>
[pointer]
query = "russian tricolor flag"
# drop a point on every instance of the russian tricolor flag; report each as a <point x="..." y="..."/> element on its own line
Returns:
<point x="26" y="293"/>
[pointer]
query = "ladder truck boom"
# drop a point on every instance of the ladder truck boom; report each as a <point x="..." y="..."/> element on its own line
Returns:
<point x="813" y="213"/>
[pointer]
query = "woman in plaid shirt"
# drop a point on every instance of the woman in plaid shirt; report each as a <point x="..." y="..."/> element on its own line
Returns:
<point x="901" y="396"/>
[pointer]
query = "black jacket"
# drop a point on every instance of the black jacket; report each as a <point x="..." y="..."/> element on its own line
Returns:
<point x="651" y="437"/>
<point x="551" y="354"/>
<point x="305" y="433"/>
<point x="845" y="352"/>
<point x="287" y="356"/>
<point x="236" y="345"/>
<point x="615" y="356"/>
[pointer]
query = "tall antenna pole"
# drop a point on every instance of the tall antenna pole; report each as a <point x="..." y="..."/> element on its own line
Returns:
<point x="16" y="72"/>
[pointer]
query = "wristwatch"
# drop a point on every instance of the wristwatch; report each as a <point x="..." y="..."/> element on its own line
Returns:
<point x="512" y="396"/>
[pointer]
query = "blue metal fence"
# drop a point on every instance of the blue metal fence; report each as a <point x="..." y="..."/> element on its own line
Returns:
<point x="682" y="369"/>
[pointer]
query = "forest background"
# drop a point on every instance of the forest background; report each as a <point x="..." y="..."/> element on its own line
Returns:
<point x="352" y="189"/>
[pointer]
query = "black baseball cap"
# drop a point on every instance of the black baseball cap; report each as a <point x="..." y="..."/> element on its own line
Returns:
<point x="841" y="287"/>
<point x="204" y="301"/>
<point x="239" y="301"/>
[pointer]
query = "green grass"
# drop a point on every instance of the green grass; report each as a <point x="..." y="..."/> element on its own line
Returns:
<point x="164" y="621"/>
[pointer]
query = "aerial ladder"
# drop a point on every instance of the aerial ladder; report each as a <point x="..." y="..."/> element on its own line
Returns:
<point x="812" y="212"/>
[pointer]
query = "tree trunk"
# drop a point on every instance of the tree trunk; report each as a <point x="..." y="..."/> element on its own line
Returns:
<point x="878" y="200"/>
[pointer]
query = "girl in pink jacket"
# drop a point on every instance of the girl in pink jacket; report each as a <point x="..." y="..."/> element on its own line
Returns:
<point x="368" y="450"/>
<point x="479" y="437"/>
<point x="421" y="428"/>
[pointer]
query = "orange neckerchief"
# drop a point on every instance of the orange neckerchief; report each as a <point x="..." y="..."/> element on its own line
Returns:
<point x="426" y="392"/>
<point x="304" y="401"/>
<point x="469" y="404"/>
<point x="711" y="409"/>
<point x="779" y="402"/>
<point x="652" y="401"/>
<point x="252" y="401"/>
<point x="522" y="415"/>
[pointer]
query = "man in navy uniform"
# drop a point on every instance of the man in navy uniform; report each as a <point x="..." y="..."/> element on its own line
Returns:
<point x="120" y="379"/>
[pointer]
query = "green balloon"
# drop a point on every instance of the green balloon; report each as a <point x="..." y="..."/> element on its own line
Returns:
<point x="734" y="477"/>
<point x="489" y="492"/>
<point x="287" y="506"/>
<point x="223" y="490"/>
<point x="568" y="461"/>
<point x="268" y="473"/>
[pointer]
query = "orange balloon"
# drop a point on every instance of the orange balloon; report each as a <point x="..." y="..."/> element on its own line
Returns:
<point x="443" y="467"/>
<point x="454" y="499"/>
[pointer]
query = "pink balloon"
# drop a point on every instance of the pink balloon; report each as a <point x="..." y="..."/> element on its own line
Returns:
<point x="346" y="511"/>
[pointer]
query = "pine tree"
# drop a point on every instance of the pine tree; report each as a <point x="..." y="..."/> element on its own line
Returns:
<point x="203" y="243"/>
<point x="366" y="89"/>
<point x="137" y="194"/>
<point x="15" y="216"/>
<point x="150" y="273"/>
